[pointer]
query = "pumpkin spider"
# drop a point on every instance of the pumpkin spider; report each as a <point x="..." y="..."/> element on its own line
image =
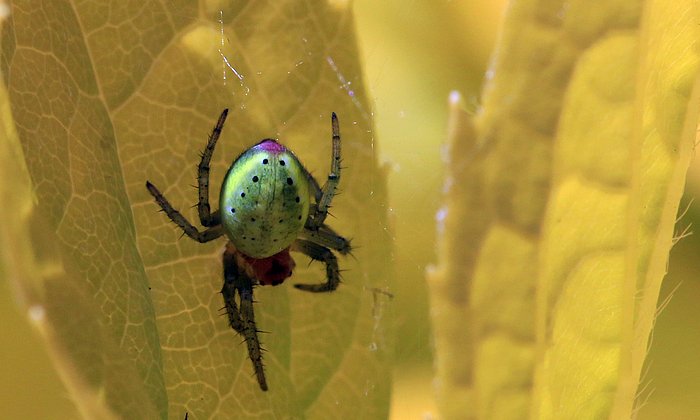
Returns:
<point x="265" y="211"/>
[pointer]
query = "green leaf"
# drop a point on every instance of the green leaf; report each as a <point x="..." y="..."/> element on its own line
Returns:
<point x="105" y="96"/>
<point x="565" y="188"/>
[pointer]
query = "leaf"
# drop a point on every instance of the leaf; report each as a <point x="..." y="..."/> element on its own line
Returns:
<point x="565" y="188"/>
<point x="105" y="97"/>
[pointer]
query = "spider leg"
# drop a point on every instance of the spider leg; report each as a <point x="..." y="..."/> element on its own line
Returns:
<point x="327" y="237"/>
<point x="250" y="332"/>
<point x="315" y="187"/>
<point x="228" y="291"/>
<point x="207" y="218"/>
<point x="242" y="319"/>
<point x="319" y="253"/>
<point x="207" y="235"/>
<point x="328" y="191"/>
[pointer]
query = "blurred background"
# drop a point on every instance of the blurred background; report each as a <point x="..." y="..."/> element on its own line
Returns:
<point x="450" y="43"/>
<point x="415" y="52"/>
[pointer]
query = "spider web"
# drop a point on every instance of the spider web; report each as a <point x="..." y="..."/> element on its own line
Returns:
<point x="305" y="128"/>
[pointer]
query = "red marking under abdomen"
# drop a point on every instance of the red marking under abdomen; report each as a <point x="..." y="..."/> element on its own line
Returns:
<point x="272" y="270"/>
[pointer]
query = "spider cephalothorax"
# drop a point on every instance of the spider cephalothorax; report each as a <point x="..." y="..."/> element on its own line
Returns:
<point x="269" y="204"/>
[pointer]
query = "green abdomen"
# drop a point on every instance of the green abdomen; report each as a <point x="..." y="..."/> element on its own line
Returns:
<point x="264" y="200"/>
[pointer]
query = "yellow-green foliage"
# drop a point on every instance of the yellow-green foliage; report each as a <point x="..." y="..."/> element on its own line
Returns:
<point x="559" y="217"/>
<point x="105" y="95"/>
<point x="563" y="195"/>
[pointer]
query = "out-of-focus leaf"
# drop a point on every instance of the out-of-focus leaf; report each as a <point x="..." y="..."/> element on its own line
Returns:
<point x="106" y="95"/>
<point x="561" y="206"/>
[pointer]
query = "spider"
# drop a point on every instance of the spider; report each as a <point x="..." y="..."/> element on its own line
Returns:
<point x="265" y="211"/>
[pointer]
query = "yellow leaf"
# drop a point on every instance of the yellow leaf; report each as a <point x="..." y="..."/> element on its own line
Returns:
<point x="106" y="96"/>
<point x="561" y="208"/>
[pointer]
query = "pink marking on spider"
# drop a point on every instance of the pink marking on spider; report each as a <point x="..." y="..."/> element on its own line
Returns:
<point x="272" y="270"/>
<point x="270" y="145"/>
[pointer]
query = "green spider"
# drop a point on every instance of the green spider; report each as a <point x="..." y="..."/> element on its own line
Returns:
<point x="265" y="210"/>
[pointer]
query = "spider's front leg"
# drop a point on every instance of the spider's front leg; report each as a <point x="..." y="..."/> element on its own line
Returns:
<point x="212" y="221"/>
<point x="205" y="216"/>
<point x="325" y="195"/>
<point x="319" y="253"/>
<point x="242" y="319"/>
<point x="207" y="235"/>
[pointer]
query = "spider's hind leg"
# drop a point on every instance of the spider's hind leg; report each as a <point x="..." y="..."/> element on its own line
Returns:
<point x="319" y="253"/>
<point x="228" y="291"/>
<point x="242" y="317"/>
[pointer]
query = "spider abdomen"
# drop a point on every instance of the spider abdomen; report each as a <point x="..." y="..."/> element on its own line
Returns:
<point x="264" y="199"/>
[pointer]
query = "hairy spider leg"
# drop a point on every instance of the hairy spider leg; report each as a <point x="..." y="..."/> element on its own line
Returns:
<point x="207" y="235"/>
<point x="207" y="218"/>
<point x="242" y="319"/>
<point x="328" y="190"/>
<point x="317" y="193"/>
<point x="315" y="187"/>
<point x="327" y="237"/>
<point x="228" y="291"/>
<point x="319" y="253"/>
